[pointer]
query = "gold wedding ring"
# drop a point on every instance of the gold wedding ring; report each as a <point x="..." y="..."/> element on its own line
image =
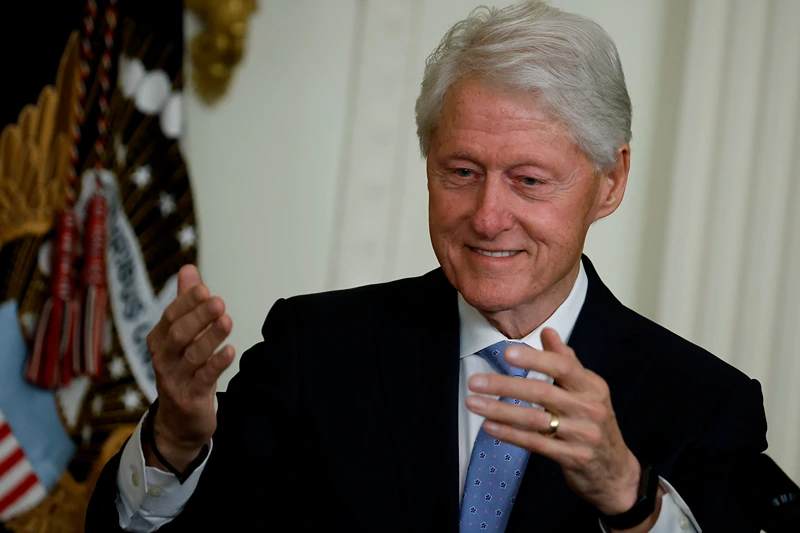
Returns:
<point x="554" y="422"/>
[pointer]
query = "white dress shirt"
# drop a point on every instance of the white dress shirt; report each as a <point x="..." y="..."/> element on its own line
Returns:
<point x="149" y="498"/>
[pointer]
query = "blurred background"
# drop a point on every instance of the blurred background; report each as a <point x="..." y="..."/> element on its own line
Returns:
<point x="304" y="175"/>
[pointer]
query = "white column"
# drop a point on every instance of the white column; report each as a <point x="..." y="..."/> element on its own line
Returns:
<point x="372" y="169"/>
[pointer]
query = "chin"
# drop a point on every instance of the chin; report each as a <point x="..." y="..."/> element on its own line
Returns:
<point x="491" y="296"/>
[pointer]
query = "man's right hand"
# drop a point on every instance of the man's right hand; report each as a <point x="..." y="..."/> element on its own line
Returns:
<point x="186" y="366"/>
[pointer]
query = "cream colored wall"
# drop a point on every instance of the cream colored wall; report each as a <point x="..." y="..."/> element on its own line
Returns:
<point x="308" y="176"/>
<point x="264" y="161"/>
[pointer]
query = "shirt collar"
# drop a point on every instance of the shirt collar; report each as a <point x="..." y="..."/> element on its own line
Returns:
<point x="477" y="333"/>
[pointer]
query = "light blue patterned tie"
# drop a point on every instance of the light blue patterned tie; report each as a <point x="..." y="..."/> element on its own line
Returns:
<point x="495" y="468"/>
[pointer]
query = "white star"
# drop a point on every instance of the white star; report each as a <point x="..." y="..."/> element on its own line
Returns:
<point x="166" y="203"/>
<point x="142" y="177"/>
<point x="86" y="434"/>
<point x="187" y="237"/>
<point x="132" y="399"/>
<point x="97" y="405"/>
<point x="29" y="322"/>
<point x="116" y="367"/>
<point x="122" y="150"/>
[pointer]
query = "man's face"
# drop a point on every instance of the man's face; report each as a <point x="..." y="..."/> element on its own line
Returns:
<point x="511" y="198"/>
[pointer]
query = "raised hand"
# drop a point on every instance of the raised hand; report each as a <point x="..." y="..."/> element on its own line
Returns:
<point x="187" y="367"/>
<point x="588" y="444"/>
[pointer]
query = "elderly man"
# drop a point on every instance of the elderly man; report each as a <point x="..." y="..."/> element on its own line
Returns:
<point x="401" y="406"/>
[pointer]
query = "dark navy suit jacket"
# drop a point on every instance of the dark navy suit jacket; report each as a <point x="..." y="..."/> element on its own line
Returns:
<point x="323" y="430"/>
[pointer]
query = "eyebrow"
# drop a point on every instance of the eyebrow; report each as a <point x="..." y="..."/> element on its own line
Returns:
<point x="466" y="156"/>
<point x="461" y="155"/>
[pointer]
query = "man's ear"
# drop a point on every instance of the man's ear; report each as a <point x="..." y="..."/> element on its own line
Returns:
<point x="612" y="187"/>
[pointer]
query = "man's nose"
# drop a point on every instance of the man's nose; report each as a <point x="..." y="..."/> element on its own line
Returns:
<point x="492" y="208"/>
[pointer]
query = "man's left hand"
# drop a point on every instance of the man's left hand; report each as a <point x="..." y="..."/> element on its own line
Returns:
<point x="588" y="444"/>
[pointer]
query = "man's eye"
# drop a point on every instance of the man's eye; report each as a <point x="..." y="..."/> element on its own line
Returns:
<point x="530" y="181"/>
<point x="463" y="172"/>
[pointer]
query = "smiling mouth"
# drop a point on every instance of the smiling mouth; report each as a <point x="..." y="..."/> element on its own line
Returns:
<point x="488" y="253"/>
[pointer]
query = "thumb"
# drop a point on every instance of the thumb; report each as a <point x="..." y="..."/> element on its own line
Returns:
<point x="188" y="277"/>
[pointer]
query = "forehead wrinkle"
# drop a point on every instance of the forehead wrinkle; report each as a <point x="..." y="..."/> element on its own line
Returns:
<point x="485" y="125"/>
<point x="534" y="125"/>
<point x="504" y="150"/>
<point x="513" y="105"/>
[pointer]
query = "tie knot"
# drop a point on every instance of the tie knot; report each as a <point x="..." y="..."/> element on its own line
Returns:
<point x="494" y="356"/>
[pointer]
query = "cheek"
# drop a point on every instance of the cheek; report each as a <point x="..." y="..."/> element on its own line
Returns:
<point x="552" y="226"/>
<point x="542" y="220"/>
<point x="445" y="210"/>
<point x="437" y="222"/>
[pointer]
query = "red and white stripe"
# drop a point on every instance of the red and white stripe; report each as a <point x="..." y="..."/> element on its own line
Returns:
<point x="20" y="489"/>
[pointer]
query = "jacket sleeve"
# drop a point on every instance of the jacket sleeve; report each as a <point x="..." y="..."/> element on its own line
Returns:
<point x="711" y="477"/>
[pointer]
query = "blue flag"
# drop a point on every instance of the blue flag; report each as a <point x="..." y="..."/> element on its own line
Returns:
<point x="32" y="436"/>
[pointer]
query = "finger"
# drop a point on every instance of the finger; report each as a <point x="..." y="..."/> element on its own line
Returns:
<point x="563" y="367"/>
<point x="184" y="330"/>
<point x="180" y="306"/>
<point x="533" y="419"/>
<point x="188" y="277"/>
<point x="537" y="420"/>
<point x="551" y="342"/>
<point x="536" y="391"/>
<point x="521" y="416"/>
<point x="198" y="352"/>
<point x="567" y="453"/>
<point x="209" y="373"/>
<point x="590" y="381"/>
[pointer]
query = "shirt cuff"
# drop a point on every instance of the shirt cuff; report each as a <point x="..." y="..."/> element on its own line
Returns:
<point x="148" y="497"/>
<point x="675" y="515"/>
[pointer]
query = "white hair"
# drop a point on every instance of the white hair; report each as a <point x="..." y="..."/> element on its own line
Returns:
<point x="566" y="59"/>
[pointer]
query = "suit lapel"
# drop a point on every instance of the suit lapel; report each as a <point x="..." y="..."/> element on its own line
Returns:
<point x="602" y="339"/>
<point x="418" y="368"/>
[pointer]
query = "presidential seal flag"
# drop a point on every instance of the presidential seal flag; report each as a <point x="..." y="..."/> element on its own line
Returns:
<point x="96" y="218"/>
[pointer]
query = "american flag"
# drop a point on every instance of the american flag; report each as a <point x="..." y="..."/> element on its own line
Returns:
<point x="35" y="449"/>
<point x="20" y="488"/>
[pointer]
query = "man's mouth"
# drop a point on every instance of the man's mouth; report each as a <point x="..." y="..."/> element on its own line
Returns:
<point x="490" y="253"/>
